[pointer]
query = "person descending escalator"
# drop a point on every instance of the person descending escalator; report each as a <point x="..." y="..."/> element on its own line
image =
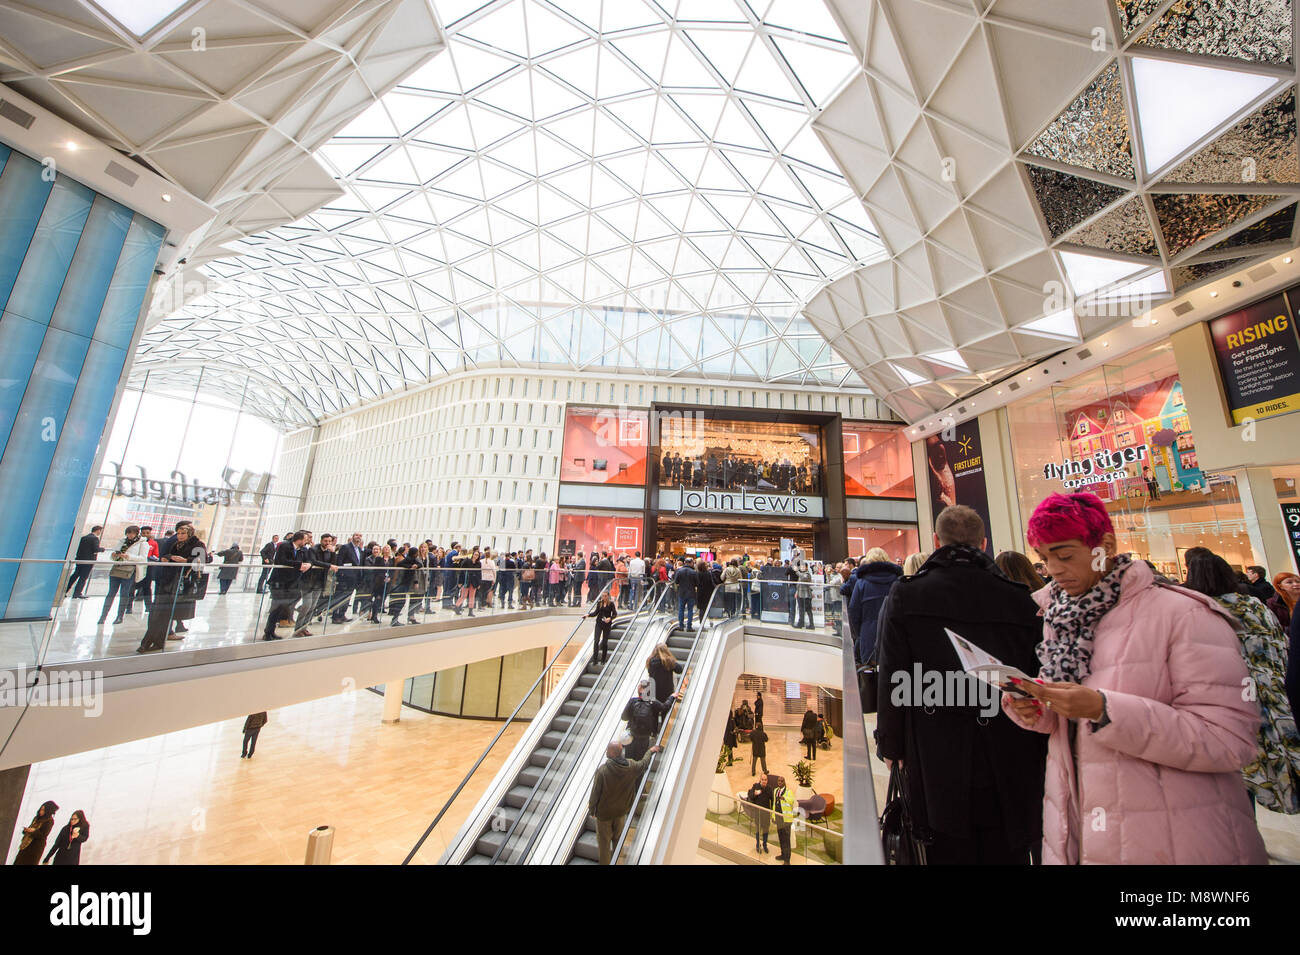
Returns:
<point x="642" y="714"/>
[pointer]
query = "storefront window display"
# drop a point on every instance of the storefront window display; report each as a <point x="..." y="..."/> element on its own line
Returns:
<point x="578" y="533"/>
<point x="1122" y="432"/>
<point x="755" y="455"/>
<point x="877" y="462"/>
<point x="897" y="542"/>
<point x="604" y="446"/>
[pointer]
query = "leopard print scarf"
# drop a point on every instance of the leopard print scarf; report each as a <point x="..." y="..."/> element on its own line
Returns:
<point x="1066" y="655"/>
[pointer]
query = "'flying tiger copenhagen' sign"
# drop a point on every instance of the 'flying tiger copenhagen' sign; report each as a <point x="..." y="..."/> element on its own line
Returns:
<point x="742" y="501"/>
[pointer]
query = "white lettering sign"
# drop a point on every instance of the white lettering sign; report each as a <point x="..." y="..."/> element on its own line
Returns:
<point x="1104" y="465"/>
<point x="741" y="501"/>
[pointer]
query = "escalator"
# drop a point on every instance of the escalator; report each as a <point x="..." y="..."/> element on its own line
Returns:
<point x="585" y="850"/>
<point x="574" y="717"/>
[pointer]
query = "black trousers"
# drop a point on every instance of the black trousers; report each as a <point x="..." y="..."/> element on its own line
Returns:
<point x="600" y="645"/>
<point x="755" y="759"/>
<point x="783" y="833"/>
<point x="250" y="741"/>
<point x="225" y="584"/>
<point x="77" y="582"/>
<point x="261" y="581"/>
<point x="812" y="750"/>
<point x="637" y="748"/>
<point x="281" y="608"/>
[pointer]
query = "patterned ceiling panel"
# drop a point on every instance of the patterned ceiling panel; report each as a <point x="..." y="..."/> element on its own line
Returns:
<point x="1255" y="30"/>
<point x="1067" y="200"/>
<point x="1203" y="73"/>
<point x="1189" y="218"/>
<point x="1261" y="148"/>
<point x="1125" y="229"/>
<point x="1091" y="132"/>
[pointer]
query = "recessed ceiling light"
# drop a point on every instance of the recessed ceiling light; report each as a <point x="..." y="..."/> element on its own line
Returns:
<point x="166" y="197"/>
<point x="1286" y="259"/>
<point x="1155" y="321"/>
<point x="1212" y="295"/>
<point x="71" y="146"/>
<point x="1105" y="344"/>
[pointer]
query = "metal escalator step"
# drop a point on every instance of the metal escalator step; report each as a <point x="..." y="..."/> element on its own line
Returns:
<point x="570" y="707"/>
<point x="552" y="738"/>
<point x="684" y="642"/>
<point x="580" y="860"/>
<point x="517" y="796"/>
<point x="588" y="679"/>
<point x="477" y="858"/>
<point x="560" y="723"/>
<point x="489" y="842"/>
<point x="529" y="776"/>
<point x="580" y="693"/>
<point x="540" y="756"/>
<point x="589" y="824"/>
<point x="587" y="847"/>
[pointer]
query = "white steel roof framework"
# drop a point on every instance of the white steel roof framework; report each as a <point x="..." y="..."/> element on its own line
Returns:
<point x="603" y="186"/>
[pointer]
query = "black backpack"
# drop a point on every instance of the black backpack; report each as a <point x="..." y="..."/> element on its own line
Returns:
<point x="641" y="719"/>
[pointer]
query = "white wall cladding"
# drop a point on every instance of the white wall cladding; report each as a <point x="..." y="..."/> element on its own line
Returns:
<point x="476" y="457"/>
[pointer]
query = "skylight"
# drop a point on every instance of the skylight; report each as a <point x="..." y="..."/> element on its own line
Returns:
<point x="140" y="16"/>
<point x="617" y="184"/>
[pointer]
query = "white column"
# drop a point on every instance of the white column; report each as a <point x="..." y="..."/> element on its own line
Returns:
<point x="393" y="701"/>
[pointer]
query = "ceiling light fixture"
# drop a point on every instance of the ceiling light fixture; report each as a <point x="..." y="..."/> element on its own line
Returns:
<point x="1286" y="259"/>
<point x="1212" y="295"/>
<point x="70" y="146"/>
<point x="166" y="197"/>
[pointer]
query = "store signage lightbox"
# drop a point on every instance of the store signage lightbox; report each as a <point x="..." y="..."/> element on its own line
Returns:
<point x="1259" y="359"/>
<point x="1105" y="465"/>
<point x="1291" y="521"/>
<point x="682" y="499"/>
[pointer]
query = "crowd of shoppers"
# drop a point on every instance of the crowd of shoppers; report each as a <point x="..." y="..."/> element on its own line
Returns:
<point x="1153" y="717"/>
<point x="66" y="849"/>
<point x="732" y="472"/>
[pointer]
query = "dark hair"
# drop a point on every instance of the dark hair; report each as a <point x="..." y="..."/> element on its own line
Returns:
<point x="1209" y="574"/>
<point x="1260" y="572"/>
<point x="1018" y="567"/>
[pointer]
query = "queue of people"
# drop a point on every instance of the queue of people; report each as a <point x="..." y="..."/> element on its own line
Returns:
<point x="732" y="472"/>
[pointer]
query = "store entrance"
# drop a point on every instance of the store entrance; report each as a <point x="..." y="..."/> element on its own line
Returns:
<point x="722" y="540"/>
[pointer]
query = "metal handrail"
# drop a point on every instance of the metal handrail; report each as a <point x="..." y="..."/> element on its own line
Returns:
<point x="861" y="819"/>
<point x="663" y="729"/>
<point x="572" y="725"/>
<point x="504" y="726"/>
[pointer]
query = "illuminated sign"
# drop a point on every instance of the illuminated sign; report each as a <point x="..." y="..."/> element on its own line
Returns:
<point x="743" y="501"/>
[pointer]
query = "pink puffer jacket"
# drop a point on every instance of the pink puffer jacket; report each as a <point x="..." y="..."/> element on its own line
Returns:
<point x="1161" y="783"/>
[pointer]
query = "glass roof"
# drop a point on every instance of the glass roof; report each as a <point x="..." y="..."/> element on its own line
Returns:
<point x="593" y="185"/>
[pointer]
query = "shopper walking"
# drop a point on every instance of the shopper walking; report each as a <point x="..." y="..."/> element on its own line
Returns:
<point x="1143" y="706"/>
<point x="66" y="849"/>
<point x="612" y="792"/>
<point x="88" y="551"/>
<point x="36" y="834"/>
<point x="604" y="612"/>
<point x="973" y="784"/>
<point x="252" y="726"/>
<point x="757" y="746"/>
<point x="231" y="558"/>
<point x="808" y="733"/>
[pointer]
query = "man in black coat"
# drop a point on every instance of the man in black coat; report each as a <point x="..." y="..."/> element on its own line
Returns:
<point x="87" y="550"/>
<point x="283" y="582"/>
<point x="349" y="559"/>
<point x="687" y="581"/>
<point x="267" y="553"/>
<point x="972" y="778"/>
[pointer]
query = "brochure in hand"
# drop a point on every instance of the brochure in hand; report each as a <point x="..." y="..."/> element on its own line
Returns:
<point x="985" y="666"/>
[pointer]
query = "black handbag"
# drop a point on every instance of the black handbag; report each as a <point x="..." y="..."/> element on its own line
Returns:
<point x="868" y="682"/>
<point x="898" y="835"/>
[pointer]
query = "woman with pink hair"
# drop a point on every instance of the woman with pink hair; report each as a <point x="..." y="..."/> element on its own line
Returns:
<point x="1143" y="693"/>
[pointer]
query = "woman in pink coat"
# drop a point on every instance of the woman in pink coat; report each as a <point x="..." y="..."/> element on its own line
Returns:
<point x="1143" y="696"/>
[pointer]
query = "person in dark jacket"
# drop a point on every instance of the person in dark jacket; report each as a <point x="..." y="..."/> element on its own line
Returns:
<point x="88" y="549"/>
<point x="808" y="733"/>
<point x="378" y="579"/>
<point x="612" y="791"/>
<point x="686" y="580"/>
<point x="231" y="558"/>
<point x="604" y="612"/>
<point x="67" y="845"/>
<point x="703" y="588"/>
<point x="1258" y="585"/>
<point x="757" y="746"/>
<point x="760" y="797"/>
<point x="642" y="714"/>
<point x="283" y="582"/>
<point x="867" y="590"/>
<point x="758" y="706"/>
<point x="36" y="834"/>
<point x="267" y="553"/>
<point x="175" y="587"/>
<point x="973" y="783"/>
<point x="729" y="739"/>
<point x="252" y="726"/>
<point x="661" y="666"/>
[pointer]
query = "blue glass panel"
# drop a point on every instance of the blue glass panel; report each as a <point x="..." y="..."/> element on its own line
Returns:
<point x="130" y="283"/>
<point x="92" y="268"/>
<point x="40" y="278"/>
<point x="22" y="197"/>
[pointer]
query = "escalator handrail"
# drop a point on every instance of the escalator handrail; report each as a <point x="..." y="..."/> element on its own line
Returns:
<point x="860" y="819"/>
<point x="663" y="728"/>
<point x="572" y="724"/>
<point x="501" y="732"/>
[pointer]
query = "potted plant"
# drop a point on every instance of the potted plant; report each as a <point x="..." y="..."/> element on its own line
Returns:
<point x="803" y="778"/>
<point x="724" y="800"/>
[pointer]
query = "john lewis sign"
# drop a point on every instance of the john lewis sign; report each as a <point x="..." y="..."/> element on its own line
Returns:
<point x="683" y="500"/>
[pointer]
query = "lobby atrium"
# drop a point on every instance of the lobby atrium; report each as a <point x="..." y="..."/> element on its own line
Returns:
<point x="494" y="415"/>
